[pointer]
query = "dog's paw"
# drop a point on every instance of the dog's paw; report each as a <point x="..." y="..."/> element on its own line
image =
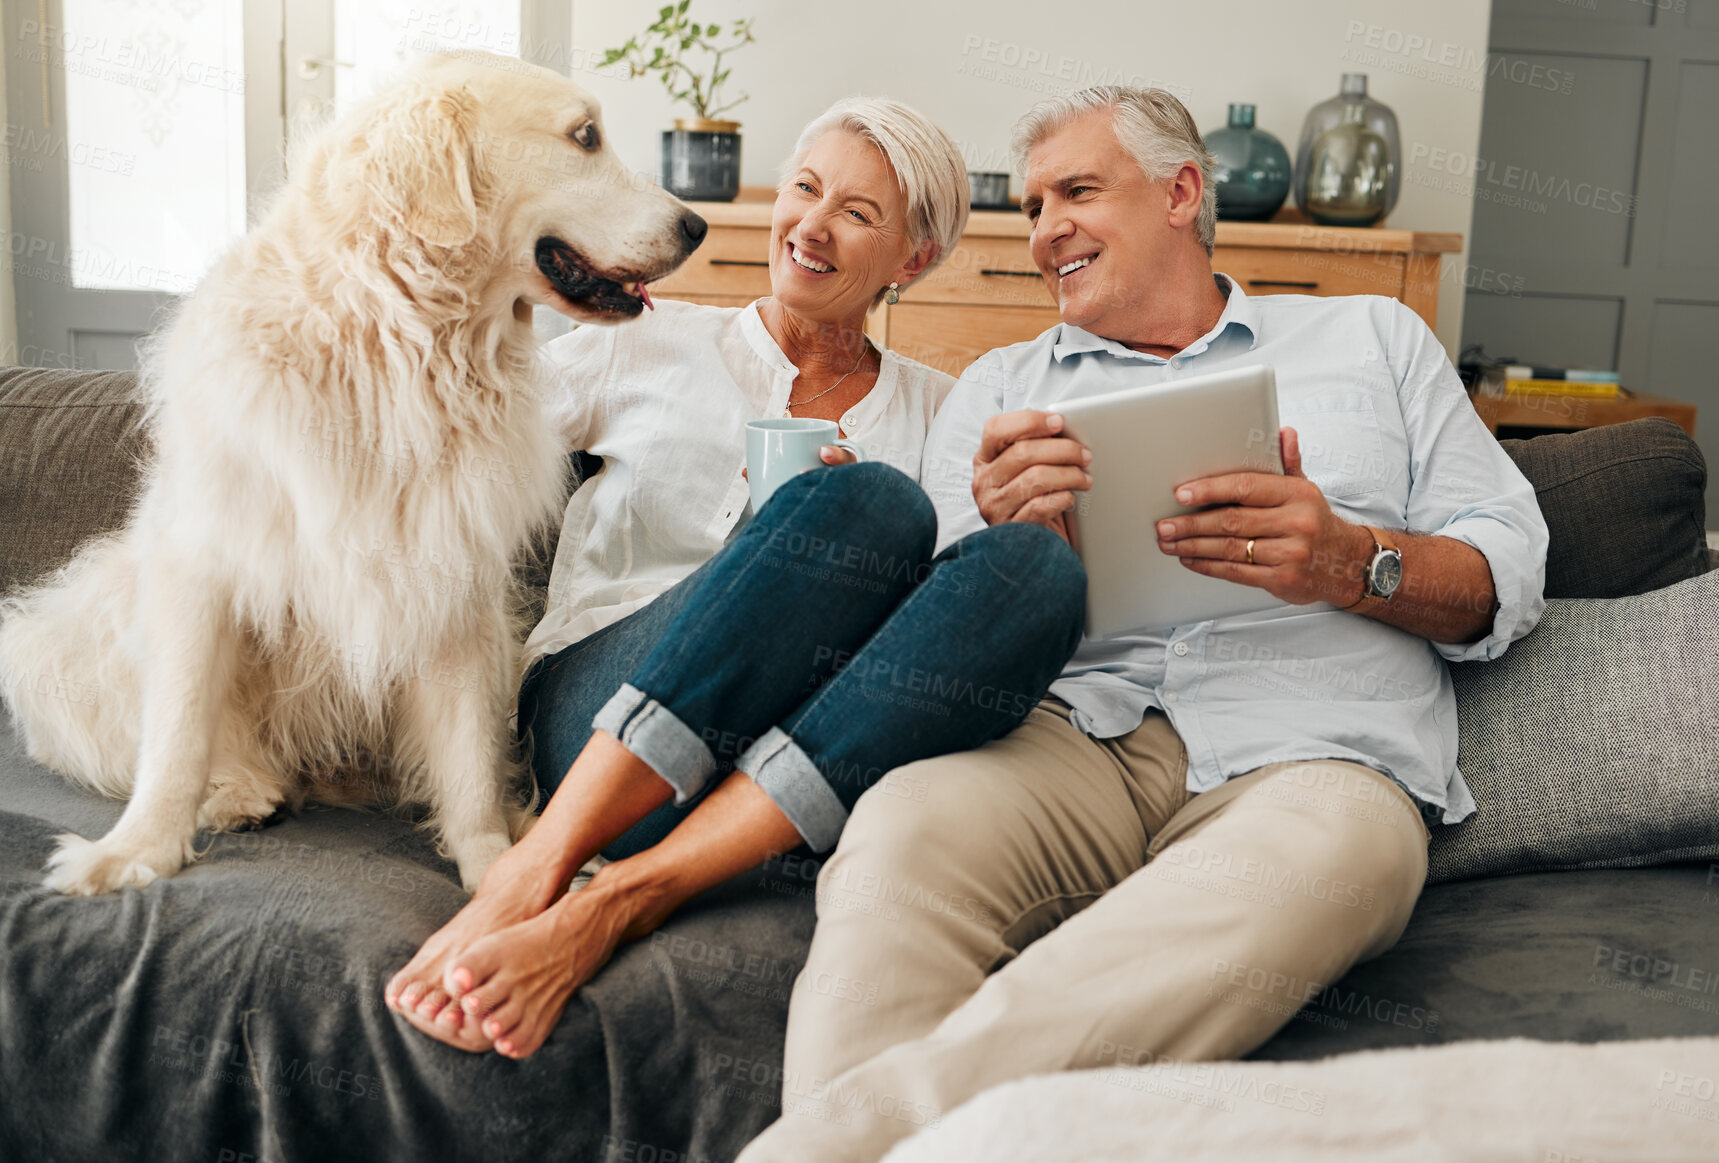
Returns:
<point x="83" y="867"/>
<point x="476" y="854"/>
<point x="232" y="807"/>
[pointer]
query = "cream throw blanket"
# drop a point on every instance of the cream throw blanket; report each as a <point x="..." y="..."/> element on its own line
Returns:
<point x="1477" y="1102"/>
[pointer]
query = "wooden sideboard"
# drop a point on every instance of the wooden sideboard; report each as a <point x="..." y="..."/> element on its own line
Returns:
<point x="1537" y="410"/>
<point x="987" y="293"/>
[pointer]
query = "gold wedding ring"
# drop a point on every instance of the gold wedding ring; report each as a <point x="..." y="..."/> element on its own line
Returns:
<point x="1250" y="551"/>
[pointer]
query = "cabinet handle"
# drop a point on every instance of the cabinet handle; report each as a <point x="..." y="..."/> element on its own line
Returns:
<point x="1279" y="283"/>
<point x="738" y="262"/>
<point x="1014" y="274"/>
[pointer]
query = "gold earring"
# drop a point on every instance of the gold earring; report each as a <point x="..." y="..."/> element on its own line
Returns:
<point x="892" y="296"/>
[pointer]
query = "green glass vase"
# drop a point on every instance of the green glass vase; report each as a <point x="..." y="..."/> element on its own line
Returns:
<point x="1252" y="172"/>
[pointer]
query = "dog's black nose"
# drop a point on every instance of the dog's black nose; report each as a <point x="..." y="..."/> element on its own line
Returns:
<point x="693" y="229"/>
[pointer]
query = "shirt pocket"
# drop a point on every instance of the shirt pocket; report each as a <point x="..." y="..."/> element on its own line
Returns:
<point x="1342" y="450"/>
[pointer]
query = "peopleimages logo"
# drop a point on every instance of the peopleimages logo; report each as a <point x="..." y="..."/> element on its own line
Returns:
<point x="1446" y="62"/>
<point x="127" y="62"/>
<point x="1657" y="970"/>
<point x="1211" y="862"/>
<point x="1519" y="181"/>
<point x="232" y="1062"/>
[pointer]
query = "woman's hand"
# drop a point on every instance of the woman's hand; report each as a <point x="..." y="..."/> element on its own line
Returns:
<point x="829" y="454"/>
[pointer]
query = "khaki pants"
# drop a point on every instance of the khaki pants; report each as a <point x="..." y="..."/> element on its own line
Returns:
<point x="1185" y="926"/>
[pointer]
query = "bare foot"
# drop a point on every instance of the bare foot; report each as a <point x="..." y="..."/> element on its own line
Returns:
<point x="514" y="984"/>
<point x="517" y="887"/>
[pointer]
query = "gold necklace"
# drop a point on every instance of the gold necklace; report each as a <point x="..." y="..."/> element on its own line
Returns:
<point x="788" y="412"/>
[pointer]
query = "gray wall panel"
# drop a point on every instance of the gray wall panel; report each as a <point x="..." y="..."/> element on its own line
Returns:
<point x="1685" y="364"/>
<point x="106" y="350"/>
<point x="1691" y="232"/>
<point x="1559" y="168"/>
<point x="1547" y="329"/>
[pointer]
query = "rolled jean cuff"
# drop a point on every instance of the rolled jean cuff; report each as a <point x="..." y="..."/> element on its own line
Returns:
<point x="657" y="737"/>
<point x="776" y="764"/>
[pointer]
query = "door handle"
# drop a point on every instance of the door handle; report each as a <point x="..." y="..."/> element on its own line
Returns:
<point x="310" y="68"/>
<point x="1014" y="274"/>
<point x="738" y="262"/>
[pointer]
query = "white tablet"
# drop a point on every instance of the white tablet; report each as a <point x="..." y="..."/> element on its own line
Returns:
<point x="1145" y="442"/>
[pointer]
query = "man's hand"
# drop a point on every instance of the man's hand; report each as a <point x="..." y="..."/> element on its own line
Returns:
<point x="1026" y="471"/>
<point x="1302" y="553"/>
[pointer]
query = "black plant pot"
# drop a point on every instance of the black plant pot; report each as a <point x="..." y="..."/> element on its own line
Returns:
<point x="701" y="160"/>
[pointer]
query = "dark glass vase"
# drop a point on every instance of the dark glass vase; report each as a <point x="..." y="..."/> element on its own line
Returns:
<point x="1253" y="170"/>
<point x="701" y="160"/>
<point x="1349" y="163"/>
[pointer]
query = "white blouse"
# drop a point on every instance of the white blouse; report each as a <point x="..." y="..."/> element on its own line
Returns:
<point x="664" y="400"/>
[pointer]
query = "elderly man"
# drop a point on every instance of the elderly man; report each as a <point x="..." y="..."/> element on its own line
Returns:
<point x="1202" y="826"/>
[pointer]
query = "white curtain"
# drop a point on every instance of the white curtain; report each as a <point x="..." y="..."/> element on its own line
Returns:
<point x="8" y="299"/>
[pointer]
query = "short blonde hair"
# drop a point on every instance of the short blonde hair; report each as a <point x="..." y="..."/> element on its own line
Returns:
<point x="927" y="164"/>
<point x="1152" y="125"/>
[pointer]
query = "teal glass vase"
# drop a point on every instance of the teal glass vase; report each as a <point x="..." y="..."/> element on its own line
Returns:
<point x="1252" y="173"/>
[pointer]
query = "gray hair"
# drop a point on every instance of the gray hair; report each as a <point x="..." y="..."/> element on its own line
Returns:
<point x="927" y="164"/>
<point x="1152" y="125"/>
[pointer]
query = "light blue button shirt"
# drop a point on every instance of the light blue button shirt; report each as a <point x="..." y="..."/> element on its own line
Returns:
<point x="1390" y="438"/>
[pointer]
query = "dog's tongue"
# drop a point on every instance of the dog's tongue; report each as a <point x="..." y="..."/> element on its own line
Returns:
<point x="645" y="297"/>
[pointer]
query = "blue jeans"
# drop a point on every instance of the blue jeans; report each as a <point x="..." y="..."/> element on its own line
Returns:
<point x="821" y="648"/>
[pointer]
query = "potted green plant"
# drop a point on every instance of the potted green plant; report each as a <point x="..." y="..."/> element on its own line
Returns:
<point x="701" y="154"/>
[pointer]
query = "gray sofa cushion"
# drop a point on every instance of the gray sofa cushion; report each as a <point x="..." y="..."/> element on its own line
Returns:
<point x="70" y="442"/>
<point x="1625" y="504"/>
<point x="1591" y="742"/>
<point x="1560" y="957"/>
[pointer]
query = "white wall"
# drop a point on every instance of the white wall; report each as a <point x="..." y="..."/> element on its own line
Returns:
<point x="975" y="65"/>
<point x="8" y="293"/>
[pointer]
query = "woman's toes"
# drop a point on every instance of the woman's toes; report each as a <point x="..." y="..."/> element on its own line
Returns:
<point x="432" y="1003"/>
<point x="523" y="1040"/>
<point x="398" y="991"/>
<point x="503" y="1021"/>
<point x="475" y="966"/>
<point x="481" y="1004"/>
<point x="465" y="1036"/>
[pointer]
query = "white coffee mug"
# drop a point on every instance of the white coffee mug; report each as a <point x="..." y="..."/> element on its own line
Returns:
<point x="778" y="450"/>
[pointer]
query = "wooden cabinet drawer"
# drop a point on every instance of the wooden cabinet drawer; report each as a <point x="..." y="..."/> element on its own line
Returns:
<point x="733" y="260"/>
<point x="989" y="271"/>
<point x="1265" y="270"/>
<point x="948" y="337"/>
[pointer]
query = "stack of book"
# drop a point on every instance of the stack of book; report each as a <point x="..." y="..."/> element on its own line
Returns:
<point x="1522" y="379"/>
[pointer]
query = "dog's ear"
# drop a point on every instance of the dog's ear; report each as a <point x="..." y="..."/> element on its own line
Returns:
<point x="419" y="164"/>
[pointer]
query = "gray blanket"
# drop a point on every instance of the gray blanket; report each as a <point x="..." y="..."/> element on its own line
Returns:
<point x="235" y="1011"/>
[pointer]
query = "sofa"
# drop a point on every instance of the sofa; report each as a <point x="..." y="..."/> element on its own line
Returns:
<point x="234" y="1011"/>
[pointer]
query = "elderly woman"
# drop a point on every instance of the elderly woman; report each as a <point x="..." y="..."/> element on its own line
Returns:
<point x="759" y="675"/>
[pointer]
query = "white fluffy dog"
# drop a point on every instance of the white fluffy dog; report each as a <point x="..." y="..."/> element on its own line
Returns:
<point x="350" y="451"/>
